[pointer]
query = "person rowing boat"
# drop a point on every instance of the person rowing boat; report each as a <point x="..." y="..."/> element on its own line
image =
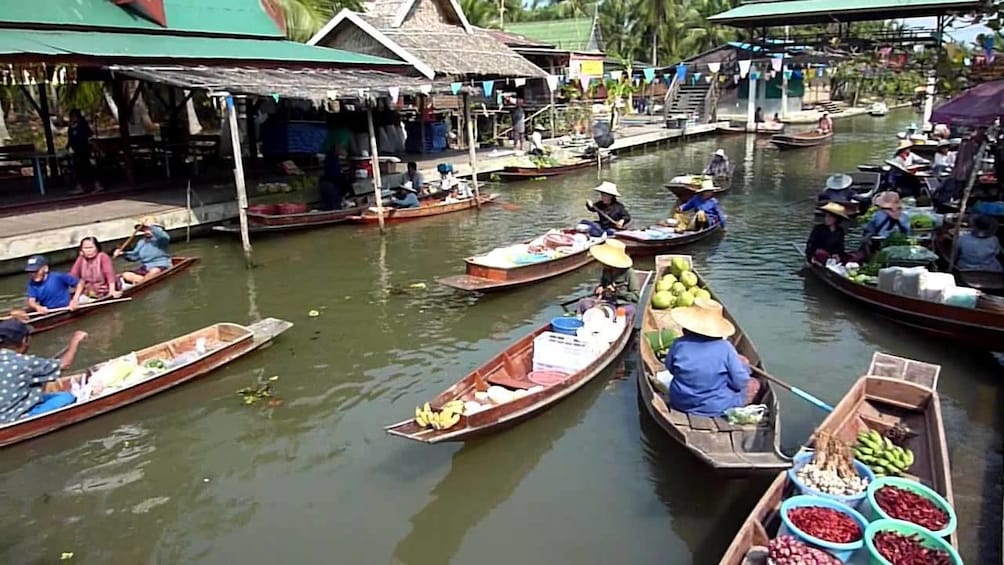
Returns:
<point x="719" y="166"/>
<point x="152" y="252"/>
<point x="705" y="207"/>
<point x="618" y="283"/>
<point x="612" y="214"/>
<point x="23" y="377"/>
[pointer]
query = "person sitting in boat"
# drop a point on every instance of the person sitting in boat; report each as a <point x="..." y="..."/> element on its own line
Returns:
<point x="48" y="290"/>
<point x="705" y="207"/>
<point x="719" y="166"/>
<point x="709" y="376"/>
<point x="776" y="119"/>
<point x="152" y="252"/>
<point x="890" y="217"/>
<point x="23" y="377"/>
<point x="618" y="283"/>
<point x="537" y="141"/>
<point x="404" y="196"/>
<point x="979" y="249"/>
<point x="903" y="167"/>
<point x="413" y="176"/>
<point x="758" y="115"/>
<point x="836" y="189"/>
<point x="827" y="239"/>
<point x="458" y="192"/>
<point x="944" y="158"/>
<point x="446" y="177"/>
<point x="612" y="214"/>
<point x="825" y="124"/>
<point x="95" y="270"/>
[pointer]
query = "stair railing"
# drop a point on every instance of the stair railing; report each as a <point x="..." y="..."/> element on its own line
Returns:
<point x="671" y="92"/>
<point x="711" y="101"/>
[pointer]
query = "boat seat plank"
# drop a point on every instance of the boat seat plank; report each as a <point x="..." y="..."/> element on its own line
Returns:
<point x="508" y="381"/>
<point x="679" y="418"/>
<point x="711" y="442"/>
<point x="723" y="425"/>
<point x="702" y="423"/>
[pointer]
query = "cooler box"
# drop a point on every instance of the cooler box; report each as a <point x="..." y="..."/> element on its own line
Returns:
<point x="932" y="285"/>
<point x="910" y="281"/>
<point x="889" y="279"/>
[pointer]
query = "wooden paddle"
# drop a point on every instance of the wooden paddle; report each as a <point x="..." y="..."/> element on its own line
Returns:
<point x="794" y="390"/>
<point x="34" y="316"/>
<point x="591" y="208"/>
<point x="127" y="242"/>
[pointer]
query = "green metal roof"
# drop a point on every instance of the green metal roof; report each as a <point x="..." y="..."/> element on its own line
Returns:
<point x="800" y="12"/>
<point x="125" y="48"/>
<point x="571" y="34"/>
<point x="219" y="17"/>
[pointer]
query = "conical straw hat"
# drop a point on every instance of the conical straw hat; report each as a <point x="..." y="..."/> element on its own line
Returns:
<point x="612" y="254"/>
<point x="706" y="317"/>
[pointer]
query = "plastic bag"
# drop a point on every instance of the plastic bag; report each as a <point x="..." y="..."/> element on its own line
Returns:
<point x="746" y="415"/>
<point x="909" y="253"/>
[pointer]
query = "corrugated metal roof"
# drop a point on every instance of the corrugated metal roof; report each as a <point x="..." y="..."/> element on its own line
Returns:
<point x="221" y="17"/>
<point x="572" y="34"/>
<point x="133" y="47"/>
<point x="797" y="12"/>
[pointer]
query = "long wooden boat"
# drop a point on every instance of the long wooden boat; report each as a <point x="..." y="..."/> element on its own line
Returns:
<point x="433" y="208"/>
<point x="485" y="278"/>
<point x="647" y="247"/>
<point x="762" y="128"/>
<point x="895" y="390"/>
<point x="510" y="368"/>
<point x="864" y="187"/>
<point x="52" y="320"/>
<point x="265" y="223"/>
<point x="534" y="172"/>
<point x="799" y="140"/>
<point x="223" y="343"/>
<point x="981" y="327"/>
<point x="727" y="448"/>
<point x="684" y="190"/>
<point x="991" y="282"/>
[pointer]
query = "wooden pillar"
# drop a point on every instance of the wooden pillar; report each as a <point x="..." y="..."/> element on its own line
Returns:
<point x="375" y="162"/>
<point x="250" y="109"/>
<point x="471" y="153"/>
<point x="43" y="112"/>
<point x="123" y="102"/>
<point x="421" y="122"/>
<point x="242" y="195"/>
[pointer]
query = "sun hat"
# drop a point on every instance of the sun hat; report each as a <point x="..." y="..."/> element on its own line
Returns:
<point x="13" y="331"/>
<point x="145" y="221"/>
<point x="706" y="317"/>
<point x="407" y="185"/>
<point x="720" y="152"/>
<point x="835" y="209"/>
<point x="839" y="181"/>
<point x="607" y="187"/>
<point x="35" y="262"/>
<point x="912" y="126"/>
<point x="984" y="226"/>
<point x="904" y="144"/>
<point x="611" y="253"/>
<point x="888" y="200"/>
<point x="538" y="127"/>
<point x="707" y="185"/>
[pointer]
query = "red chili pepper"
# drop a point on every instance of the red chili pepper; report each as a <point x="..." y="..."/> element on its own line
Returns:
<point x="907" y="505"/>
<point x="908" y="550"/>
<point x="825" y="523"/>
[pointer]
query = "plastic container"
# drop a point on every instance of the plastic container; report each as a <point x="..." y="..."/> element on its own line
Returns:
<point x="874" y="512"/>
<point x="932" y="285"/>
<point x="889" y="279"/>
<point x="910" y="281"/>
<point x="802" y="459"/>
<point x="961" y="296"/>
<point x="566" y="325"/>
<point x="842" y="551"/>
<point x="560" y="352"/>
<point x="906" y="528"/>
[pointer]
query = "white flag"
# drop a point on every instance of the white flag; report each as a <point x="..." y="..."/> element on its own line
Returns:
<point x="552" y="82"/>
<point x="520" y="81"/>
<point x="425" y="88"/>
<point x="616" y="75"/>
<point x="393" y="91"/>
<point x="744" y="67"/>
<point x="714" y="67"/>
<point x="776" y="62"/>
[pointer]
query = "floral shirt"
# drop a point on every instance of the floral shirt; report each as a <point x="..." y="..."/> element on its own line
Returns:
<point x="22" y="378"/>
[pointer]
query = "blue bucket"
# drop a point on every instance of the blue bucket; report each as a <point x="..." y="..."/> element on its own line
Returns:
<point x="804" y="458"/>
<point x="566" y="325"/>
<point x="842" y="551"/>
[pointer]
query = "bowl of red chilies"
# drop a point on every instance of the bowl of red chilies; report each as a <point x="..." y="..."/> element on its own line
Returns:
<point x="895" y="542"/>
<point x="821" y="522"/>
<point x="903" y="499"/>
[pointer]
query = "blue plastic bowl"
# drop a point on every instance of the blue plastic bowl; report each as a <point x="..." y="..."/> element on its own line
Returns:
<point x="805" y="457"/>
<point x="842" y="551"/>
<point x="566" y="325"/>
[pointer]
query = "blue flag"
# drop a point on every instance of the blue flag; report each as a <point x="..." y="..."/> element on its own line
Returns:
<point x="488" y="85"/>
<point x="455" y="87"/>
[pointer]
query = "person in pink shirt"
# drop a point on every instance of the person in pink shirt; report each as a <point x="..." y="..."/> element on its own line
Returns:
<point x="94" y="267"/>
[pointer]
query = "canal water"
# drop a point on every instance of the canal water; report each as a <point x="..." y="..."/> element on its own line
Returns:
<point x="195" y="476"/>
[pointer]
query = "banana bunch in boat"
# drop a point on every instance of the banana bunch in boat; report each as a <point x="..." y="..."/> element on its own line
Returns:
<point x="443" y="419"/>
<point x="881" y="455"/>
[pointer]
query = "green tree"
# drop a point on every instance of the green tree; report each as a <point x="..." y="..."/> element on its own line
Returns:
<point x="304" y="18"/>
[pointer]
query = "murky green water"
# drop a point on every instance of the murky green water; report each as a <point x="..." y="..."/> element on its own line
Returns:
<point x="193" y="476"/>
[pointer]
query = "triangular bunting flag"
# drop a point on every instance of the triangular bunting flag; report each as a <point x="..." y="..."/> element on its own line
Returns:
<point x="714" y="67"/>
<point x="552" y="82"/>
<point x="776" y="62"/>
<point x="394" y="92"/>
<point x="275" y="97"/>
<point x="519" y="81"/>
<point x="649" y="74"/>
<point x="487" y="86"/>
<point x="697" y="77"/>
<point x="455" y="87"/>
<point x="744" y="67"/>
<point x="787" y="74"/>
<point x="425" y="88"/>
<point x="616" y="75"/>
<point x="681" y="72"/>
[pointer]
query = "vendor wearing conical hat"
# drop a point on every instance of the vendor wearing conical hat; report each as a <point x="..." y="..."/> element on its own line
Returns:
<point x="152" y="251"/>
<point x="719" y="165"/>
<point x="837" y="189"/>
<point x="618" y="283"/>
<point x="889" y="218"/>
<point x="612" y="214"/>
<point x="904" y="157"/>
<point x="709" y="376"/>
<point x="827" y="239"/>
<point x="705" y="207"/>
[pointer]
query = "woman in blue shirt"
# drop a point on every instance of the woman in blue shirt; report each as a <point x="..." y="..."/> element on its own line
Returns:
<point x="405" y="196"/>
<point x="709" y="376"/>
<point x="980" y="250"/>
<point x="889" y="219"/>
<point x="151" y="252"/>
<point x="704" y="204"/>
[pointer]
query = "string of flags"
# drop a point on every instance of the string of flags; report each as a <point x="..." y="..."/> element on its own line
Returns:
<point x="37" y="73"/>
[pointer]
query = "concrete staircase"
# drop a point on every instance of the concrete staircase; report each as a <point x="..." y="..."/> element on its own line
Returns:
<point x="689" y="99"/>
<point x="830" y="107"/>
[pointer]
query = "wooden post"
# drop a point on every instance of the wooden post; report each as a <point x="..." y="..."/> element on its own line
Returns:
<point x="188" y="208"/>
<point x="375" y="163"/>
<point x="965" y="202"/>
<point x="471" y="153"/>
<point x="43" y="112"/>
<point x="242" y="195"/>
<point x="421" y="123"/>
<point x="554" y="117"/>
<point x="122" y="101"/>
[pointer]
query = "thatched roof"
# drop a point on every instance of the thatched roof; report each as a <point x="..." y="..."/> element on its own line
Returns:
<point x="433" y="35"/>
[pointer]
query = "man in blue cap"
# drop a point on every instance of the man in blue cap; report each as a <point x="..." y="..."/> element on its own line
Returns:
<point x="23" y="377"/>
<point x="48" y="290"/>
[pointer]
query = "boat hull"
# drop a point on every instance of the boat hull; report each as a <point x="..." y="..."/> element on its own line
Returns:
<point x="481" y="278"/>
<point x="406" y="214"/>
<point x="643" y="248"/>
<point x="800" y="140"/>
<point x="535" y="172"/>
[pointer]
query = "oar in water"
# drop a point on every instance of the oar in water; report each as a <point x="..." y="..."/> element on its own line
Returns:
<point x="794" y="390"/>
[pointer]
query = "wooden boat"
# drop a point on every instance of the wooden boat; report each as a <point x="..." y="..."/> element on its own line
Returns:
<point x="762" y="128"/>
<point x="799" y="140"/>
<point x="269" y="223"/>
<point x="895" y="390"/>
<point x="878" y="109"/>
<point x="991" y="282"/>
<point x="485" y="278"/>
<point x="684" y="189"/>
<point x="433" y="208"/>
<point x="223" y="343"/>
<point x="646" y="247"/>
<point x="534" y="172"/>
<point x="727" y="448"/>
<point x="46" y="322"/>
<point x="981" y="327"/>
<point x="510" y="369"/>
<point x="864" y="187"/>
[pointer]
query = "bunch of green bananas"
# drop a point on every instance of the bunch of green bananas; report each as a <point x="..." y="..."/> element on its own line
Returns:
<point x="447" y="417"/>
<point x="882" y="455"/>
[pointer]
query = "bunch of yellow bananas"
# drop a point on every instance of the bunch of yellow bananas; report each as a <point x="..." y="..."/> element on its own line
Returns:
<point x="447" y="417"/>
<point x="882" y="455"/>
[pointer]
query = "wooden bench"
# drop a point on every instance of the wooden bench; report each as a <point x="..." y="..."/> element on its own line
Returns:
<point x="15" y="158"/>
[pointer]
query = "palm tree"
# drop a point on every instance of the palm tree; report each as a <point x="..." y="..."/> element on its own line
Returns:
<point x="305" y="17"/>
<point x="656" y="14"/>
<point x="620" y="28"/>
<point x="481" y="13"/>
